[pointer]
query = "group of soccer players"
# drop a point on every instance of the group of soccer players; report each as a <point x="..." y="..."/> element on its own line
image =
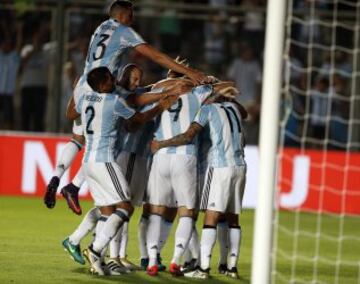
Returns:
<point x="175" y="148"/>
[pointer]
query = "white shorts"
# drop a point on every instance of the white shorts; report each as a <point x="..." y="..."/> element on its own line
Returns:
<point x="79" y="90"/>
<point x="106" y="182"/>
<point x="173" y="181"/>
<point x="136" y="170"/>
<point x="224" y="189"/>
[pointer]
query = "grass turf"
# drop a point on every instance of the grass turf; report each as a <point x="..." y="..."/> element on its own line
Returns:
<point x="31" y="251"/>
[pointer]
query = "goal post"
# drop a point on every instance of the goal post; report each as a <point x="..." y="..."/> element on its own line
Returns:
<point x="269" y="129"/>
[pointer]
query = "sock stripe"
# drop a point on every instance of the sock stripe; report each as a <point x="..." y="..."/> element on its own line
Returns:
<point x="78" y="145"/>
<point x="235" y="227"/>
<point x="103" y="219"/>
<point x="115" y="181"/>
<point x="130" y="167"/>
<point x="122" y="215"/>
<point x="209" y="227"/>
<point x="205" y="197"/>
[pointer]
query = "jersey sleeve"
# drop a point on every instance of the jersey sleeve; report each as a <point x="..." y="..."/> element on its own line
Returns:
<point x="122" y="109"/>
<point x="132" y="38"/>
<point x="78" y="105"/>
<point x="203" y="116"/>
<point x="203" y="92"/>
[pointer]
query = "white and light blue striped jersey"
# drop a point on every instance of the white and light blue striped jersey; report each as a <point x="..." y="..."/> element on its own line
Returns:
<point x="139" y="142"/>
<point x="226" y="134"/>
<point x="9" y="66"/>
<point x="109" y="45"/>
<point x="178" y="118"/>
<point x="99" y="115"/>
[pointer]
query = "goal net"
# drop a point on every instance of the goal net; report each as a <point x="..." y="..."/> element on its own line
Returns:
<point x="316" y="232"/>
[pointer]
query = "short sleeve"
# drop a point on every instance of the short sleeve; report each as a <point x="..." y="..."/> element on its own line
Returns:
<point x="122" y="109"/>
<point x="131" y="38"/>
<point x="202" y="117"/>
<point x="203" y="92"/>
<point x="78" y="105"/>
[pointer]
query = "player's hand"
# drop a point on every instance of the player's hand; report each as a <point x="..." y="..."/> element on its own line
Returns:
<point x="154" y="146"/>
<point x="181" y="87"/>
<point x="197" y="77"/>
<point x="166" y="103"/>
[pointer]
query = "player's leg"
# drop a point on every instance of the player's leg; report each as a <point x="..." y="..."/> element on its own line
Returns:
<point x="184" y="183"/>
<point x="159" y="196"/>
<point x="234" y="208"/>
<point x="191" y="261"/>
<point x="66" y="158"/>
<point x="72" y="243"/>
<point x="110" y="192"/>
<point x="223" y="237"/>
<point x="142" y="229"/>
<point x="71" y="192"/>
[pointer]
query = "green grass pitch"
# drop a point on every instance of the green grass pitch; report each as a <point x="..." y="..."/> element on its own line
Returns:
<point x="31" y="251"/>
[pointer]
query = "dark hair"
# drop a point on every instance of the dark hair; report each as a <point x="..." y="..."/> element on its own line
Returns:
<point x="97" y="76"/>
<point x="124" y="79"/>
<point x="118" y="5"/>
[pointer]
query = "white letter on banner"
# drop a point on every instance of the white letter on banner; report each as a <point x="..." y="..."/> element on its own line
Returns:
<point x="300" y="184"/>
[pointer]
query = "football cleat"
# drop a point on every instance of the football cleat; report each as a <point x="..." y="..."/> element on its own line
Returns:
<point x="198" y="274"/>
<point x="129" y="265"/>
<point x="144" y="262"/>
<point x="189" y="266"/>
<point x="74" y="251"/>
<point x="114" y="268"/>
<point x="95" y="261"/>
<point x="175" y="269"/>
<point x="222" y="268"/>
<point x="152" y="270"/>
<point x="161" y="267"/>
<point x="233" y="273"/>
<point x="71" y="194"/>
<point x="50" y="194"/>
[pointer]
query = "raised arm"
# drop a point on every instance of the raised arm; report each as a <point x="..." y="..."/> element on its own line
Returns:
<point x="181" y="139"/>
<point x="167" y="62"/>
<point x="138" y="119"/>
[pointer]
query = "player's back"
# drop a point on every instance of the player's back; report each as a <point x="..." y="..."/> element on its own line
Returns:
<point x="108" y="46"/>
<point x="100" y="125"/>
<point x="178" y="118"/>
<point x="226" y="135"/>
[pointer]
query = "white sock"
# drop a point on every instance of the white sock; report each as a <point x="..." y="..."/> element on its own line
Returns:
<point x="164" y="234"/>
<point x="194" y="245"/>
<point x="153" y="238"/>
<point x="67" y="156"/>
<point x="79" y="178"/>
<point x="187" y="255"/>
<point x="114" y="245"/>
<point x="208" y="239"/>
<point x="223" y="237"/>
<point x="142" y="228"/>
<point x="86" y="226"/>
<point x="234" y="249"/>
<point x="182" y="237"/>
<point x="124" y="240"/>
<point x="111" y="226"/>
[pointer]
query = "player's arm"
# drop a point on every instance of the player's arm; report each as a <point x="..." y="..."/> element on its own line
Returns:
<point x="222" y="85"/>
<point x="167" y="62"/>
<point x="180" y="87"/>
<point x="71" y="113"/>
<point x="181" y="139"/>
<point x="139" y="118"/>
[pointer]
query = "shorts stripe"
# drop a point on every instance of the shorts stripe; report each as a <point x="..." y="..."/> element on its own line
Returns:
<point x="130" y="167"/>
<point x="115" y="180"/>
<point x="205" y="196"/>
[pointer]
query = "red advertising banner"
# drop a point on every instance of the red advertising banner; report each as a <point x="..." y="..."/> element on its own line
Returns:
<point x="309" y="180"/>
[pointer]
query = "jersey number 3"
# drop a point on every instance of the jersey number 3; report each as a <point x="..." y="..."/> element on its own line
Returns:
<point x="91" y="110"/>
<point x="101" y="44"/>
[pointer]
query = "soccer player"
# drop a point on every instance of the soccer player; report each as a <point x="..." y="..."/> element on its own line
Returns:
<point x="225" y="181"/>
<point x="108" y="47"/>
<point x="173" y="179"/>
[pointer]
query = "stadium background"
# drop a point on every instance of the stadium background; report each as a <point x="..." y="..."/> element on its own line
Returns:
<point x="220" y="37"/>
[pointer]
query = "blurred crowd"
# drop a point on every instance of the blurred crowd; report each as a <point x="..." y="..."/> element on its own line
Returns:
<point x="225" y="46"/>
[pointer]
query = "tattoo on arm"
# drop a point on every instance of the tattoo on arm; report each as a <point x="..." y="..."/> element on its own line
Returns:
<point x="184" y="138"/>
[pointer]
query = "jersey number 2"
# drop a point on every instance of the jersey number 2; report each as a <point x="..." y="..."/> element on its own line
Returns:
<point x="91" y="110"/>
